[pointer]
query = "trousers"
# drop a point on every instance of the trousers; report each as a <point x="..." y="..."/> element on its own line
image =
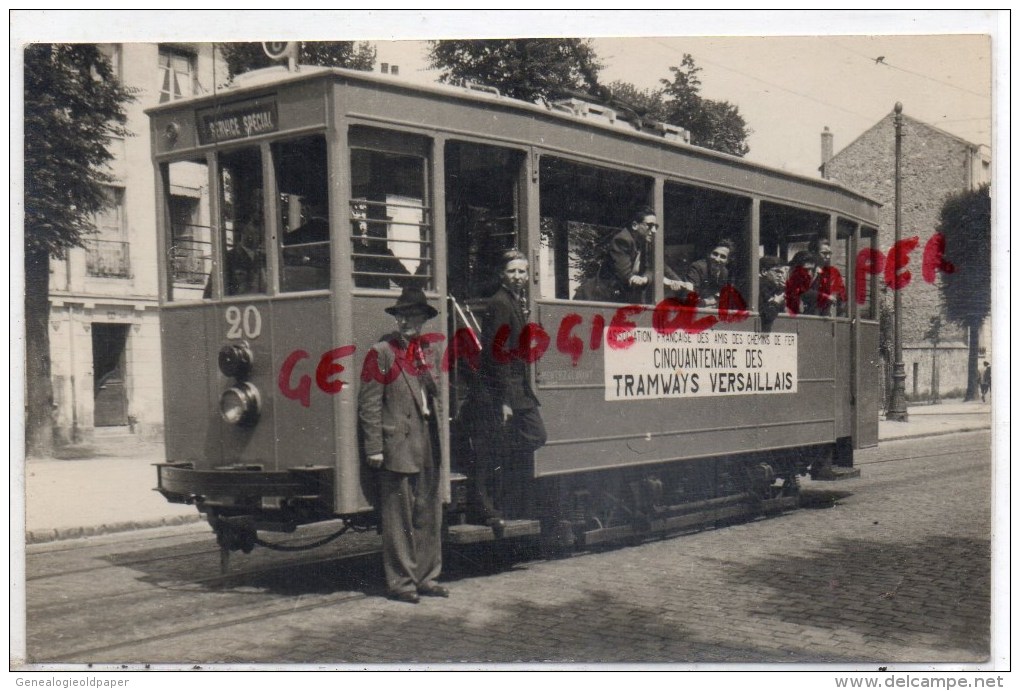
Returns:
<point x="411" y="509"/>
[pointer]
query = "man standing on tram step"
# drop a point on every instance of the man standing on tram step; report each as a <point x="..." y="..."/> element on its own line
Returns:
<point x="399" y="423"/>
<point x="512" y="407"/>
<point x="626" y="271"/>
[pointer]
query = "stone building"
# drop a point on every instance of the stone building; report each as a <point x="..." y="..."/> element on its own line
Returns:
<point x="934" y="165"/>
<point x="104" y="322"/>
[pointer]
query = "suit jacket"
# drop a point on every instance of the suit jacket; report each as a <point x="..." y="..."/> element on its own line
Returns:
<point x="392" y="415"/>
<point x="619" y="266"/>
<point x="705" y="286"/>
<point x="507" y="382"/>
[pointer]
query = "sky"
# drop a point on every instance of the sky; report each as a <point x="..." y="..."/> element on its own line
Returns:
<point x="789" y="88"/>
<point x="790" y="73"/>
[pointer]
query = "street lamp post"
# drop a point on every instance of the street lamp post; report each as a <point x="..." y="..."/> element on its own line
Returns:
<point x="898" y="406"/>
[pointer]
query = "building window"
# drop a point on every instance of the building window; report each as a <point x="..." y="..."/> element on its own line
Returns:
<point x="177" y="74"/>
<point x="112" y="52"/>
<point x="107" y="254"/>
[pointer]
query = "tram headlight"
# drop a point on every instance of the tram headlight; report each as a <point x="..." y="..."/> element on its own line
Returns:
<point x="241" y="405"/>
<point x="236" y="360"/>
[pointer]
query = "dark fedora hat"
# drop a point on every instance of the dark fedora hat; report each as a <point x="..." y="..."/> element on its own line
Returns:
<point x="412" y="300"/>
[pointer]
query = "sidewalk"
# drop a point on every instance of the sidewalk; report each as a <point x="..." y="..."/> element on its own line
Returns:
<point x="108" y="486"/>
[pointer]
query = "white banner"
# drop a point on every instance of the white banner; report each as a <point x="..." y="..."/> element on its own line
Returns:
<point x="711" y="363"/>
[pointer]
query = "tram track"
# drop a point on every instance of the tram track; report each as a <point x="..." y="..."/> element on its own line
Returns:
<point x="277" y="609"/>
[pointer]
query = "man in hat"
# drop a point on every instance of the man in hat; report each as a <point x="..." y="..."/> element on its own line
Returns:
<point x="399" y="411"/>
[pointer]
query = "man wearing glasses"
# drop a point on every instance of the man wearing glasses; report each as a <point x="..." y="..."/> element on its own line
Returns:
<point x="627" y="269"/>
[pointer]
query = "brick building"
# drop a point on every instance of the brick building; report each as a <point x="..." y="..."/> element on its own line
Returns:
<point x="104" y="321"/>
<point x="934" y="165"/>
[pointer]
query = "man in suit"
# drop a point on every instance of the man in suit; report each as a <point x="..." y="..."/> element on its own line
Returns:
<point x="707" y="276"/>
<point x="626" y="271"/>
<point x="512" y="406"/>
<point x="771" y="290"/>
<point x="399" y="411"/>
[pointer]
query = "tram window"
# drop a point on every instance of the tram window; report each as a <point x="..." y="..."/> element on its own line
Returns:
<point x="390" y="218"/>
<point x="482" y="208"/>
<point x="869" y="310"/>
<point x="841" y="252"/>
<point x="244" y="238"/>
<point x="582" y="207"/>
<point x="190" y="235"/>
<point x="302" y="191"/>
<point x="786" y="230"/>
<point x="696" y="224"/>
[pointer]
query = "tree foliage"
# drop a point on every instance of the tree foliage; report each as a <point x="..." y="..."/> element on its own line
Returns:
<point x="966" y="223"/>
<point x="716" y="125"/>
<point x="73" y="105"/>
<point x="244" y="57"/>
<point x="524" y="68"/>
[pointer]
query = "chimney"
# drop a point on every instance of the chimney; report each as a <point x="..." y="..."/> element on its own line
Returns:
<point x="826" y="150"/>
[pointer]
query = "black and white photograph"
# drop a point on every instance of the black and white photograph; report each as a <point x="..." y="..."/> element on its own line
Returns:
<point x="498" y="341"/>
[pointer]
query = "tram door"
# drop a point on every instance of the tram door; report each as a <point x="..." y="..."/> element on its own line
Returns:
<point x="483" y="219"/>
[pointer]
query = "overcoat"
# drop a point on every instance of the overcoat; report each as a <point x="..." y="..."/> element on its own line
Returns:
<point x="392" y="411"/>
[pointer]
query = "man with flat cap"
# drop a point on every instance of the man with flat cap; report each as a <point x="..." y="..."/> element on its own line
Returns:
<point x="399" y="411"/>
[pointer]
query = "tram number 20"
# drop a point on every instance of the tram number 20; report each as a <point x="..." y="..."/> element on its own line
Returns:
<point x="247" y="323"/>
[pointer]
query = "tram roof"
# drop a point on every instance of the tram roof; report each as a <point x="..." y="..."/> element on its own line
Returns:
<point x="260" y="79"/>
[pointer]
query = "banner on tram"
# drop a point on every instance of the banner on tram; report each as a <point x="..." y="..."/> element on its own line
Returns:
<point x="711" y="363"/>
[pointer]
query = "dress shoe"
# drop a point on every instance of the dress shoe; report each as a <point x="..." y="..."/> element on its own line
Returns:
<point x="433" y="590"/>
<point x="405" y="596"/>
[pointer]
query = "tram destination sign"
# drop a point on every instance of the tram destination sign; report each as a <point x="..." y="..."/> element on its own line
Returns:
<point x="237" y="121"/>
<point x="711" y="363"/>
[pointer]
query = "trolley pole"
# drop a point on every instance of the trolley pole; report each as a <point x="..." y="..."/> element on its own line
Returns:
<point x="898" y="406"/>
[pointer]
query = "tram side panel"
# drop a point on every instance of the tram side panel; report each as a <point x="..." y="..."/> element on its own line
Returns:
<point x="588" y="432"/>
<point x="190" y="405"/>
<point x="302" y="418"/>
<point x="843" y="372"/>
<point x="869" y="390"/>
<point x="287" y="433"/>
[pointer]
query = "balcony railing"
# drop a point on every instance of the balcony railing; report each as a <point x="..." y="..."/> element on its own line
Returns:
<point x="190" y="257"/>
<point x="108" y="258"/>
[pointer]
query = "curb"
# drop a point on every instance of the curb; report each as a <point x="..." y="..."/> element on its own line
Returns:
<point x="925" y="435"/>
<point x="35" y="537"/>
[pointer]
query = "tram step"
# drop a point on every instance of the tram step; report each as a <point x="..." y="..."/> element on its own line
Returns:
<point x="664" y="525"/>
<point x="468" y="534"/>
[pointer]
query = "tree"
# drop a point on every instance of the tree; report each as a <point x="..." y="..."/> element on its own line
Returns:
<point x="524" y="68"/>
<point x="934" y="336"/>
<point x="645" y="103"/>
<point x="716" y="125"/>
<point x="73" y="105"/>
<point x="965" y="222"/>
<point x="243" y="57"/>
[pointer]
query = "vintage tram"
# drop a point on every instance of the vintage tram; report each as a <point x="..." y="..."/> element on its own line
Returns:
<point x="294" y="206"/>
